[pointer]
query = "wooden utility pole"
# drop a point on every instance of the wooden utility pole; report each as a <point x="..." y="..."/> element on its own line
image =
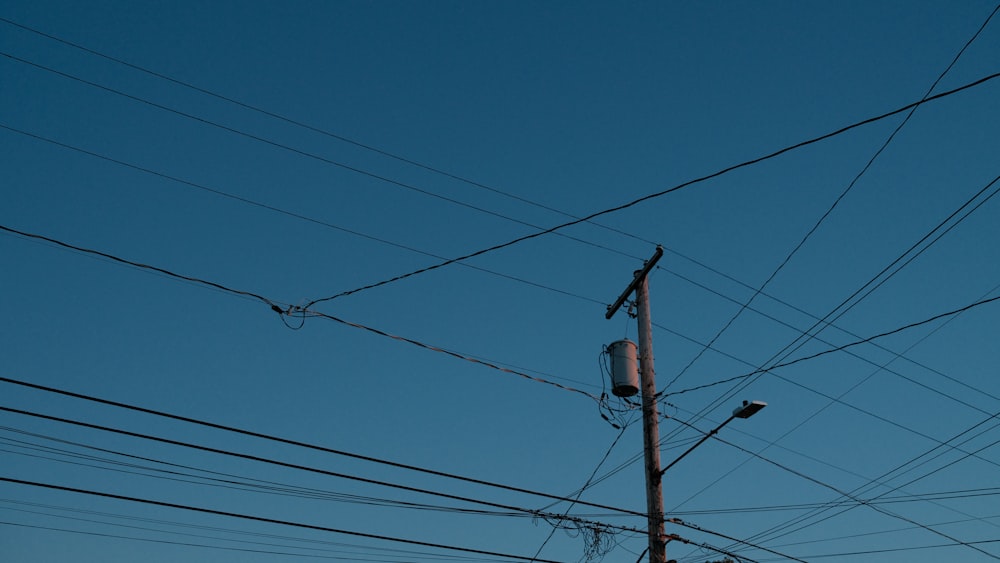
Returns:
<point x="650" y="416"/>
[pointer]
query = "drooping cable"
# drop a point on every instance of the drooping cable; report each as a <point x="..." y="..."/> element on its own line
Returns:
<point x="577" y="495"/>
<point x="291" y="311"/>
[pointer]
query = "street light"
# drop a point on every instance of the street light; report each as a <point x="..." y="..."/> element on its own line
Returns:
<point x="746" y="410"/>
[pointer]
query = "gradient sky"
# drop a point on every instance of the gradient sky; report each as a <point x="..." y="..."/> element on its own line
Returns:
<point x="293" y="152"/>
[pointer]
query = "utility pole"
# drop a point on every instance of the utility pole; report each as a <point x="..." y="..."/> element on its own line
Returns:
<point x="650" y="416"/>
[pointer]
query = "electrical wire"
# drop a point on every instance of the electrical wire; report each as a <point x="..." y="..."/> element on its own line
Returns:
<point x="264" y="519"/>
<point x="315" y="129"/>
<point x="287" y="213"/>
<point x="305" y="445"/>
<point x="219" y="547"/>
<point x="879" y="481"/>
<point x="898" y="549"/>
<point x="897" y="499"/>
<point x="881" y="367"/>
<point x="881" y="532"/>
<point x="839" y="400"/>
<point x="195" y="475"/>
<point x="572" y="519"/>
<point x="436" y="349"/>
<point x="689" y="525"/>
<point x="296" y="466"/>
<point x="293" y="311"/>
<point x="705" y="546"/>
<point x="836" y="202"/>
<point x="896" y="355"/>
<point x="386" y="551"/>
<point x="300" y="152"/>
<point x="576" y="496"/>
<point x="852" y="495"/>
<point x="859" y="295"/>
<point x="272" y="304"/>
<point x="916" y="324"/>
<point x="855" y="498"/>
<point x="661" y="193"/>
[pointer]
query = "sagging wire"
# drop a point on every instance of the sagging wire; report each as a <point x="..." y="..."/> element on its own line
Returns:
<point x="293" y="311"/>
<point x="598" y="542"/>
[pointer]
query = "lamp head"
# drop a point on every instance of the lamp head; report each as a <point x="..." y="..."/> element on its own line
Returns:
<point x="748" y="409"/>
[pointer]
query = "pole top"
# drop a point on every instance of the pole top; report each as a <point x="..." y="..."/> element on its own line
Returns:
<point x="638" y="277"/>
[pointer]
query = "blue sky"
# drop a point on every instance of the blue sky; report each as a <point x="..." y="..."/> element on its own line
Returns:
<point x="298" y="152"/>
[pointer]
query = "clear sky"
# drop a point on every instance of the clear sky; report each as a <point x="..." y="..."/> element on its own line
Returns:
<point x="263" y="154"/>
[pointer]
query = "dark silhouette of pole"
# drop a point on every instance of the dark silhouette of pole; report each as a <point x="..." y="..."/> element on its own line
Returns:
<point x="650" y="417"/>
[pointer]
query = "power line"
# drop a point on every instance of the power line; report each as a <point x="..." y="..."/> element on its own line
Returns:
<point x="675" y="537"/>
<point x="285" y="212"/>
<point x="839" y="348"/>
<point x="883" y="419"/>
<point x="897" y="355"/>
<point x="383" y="241"/>
<point x="884" y="532"/>
<point x="666" y="191"/>
<point x="691" y="526"/>
<point x="854" y="498"/>
<point x="299" y="152"/>
<point x="199" y="476"/>
<point x="272" y="304"/>
<point x="833" y="399"/>
<point x="167" y="542"/>
<point x="902" y="260"/>
<point x="578" y="520"/>
<point x="896" y="499"/>
<point x="313" y="128"/>
<point x="883" y="276"/>
<point x="582" y="489"/>
<point x="389" y="552"/>
<point x="306" y="445"/>
<point x="299" y="467"/>
<point x="833" y="205"/>
<point x="849" y="495"/>
<point x="898" y="549"/>
<point x="872" y="483"/>
<point x="196" y="545"/>
<point x="293" y="311"/>
<point x="266" y="520"/>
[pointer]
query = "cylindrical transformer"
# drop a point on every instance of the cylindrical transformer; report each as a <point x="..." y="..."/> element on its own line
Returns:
<point x="624" y="368"/>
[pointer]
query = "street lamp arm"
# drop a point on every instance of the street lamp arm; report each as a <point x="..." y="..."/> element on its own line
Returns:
<point x="746" y="410"/>
<point x="711" y="433"/>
